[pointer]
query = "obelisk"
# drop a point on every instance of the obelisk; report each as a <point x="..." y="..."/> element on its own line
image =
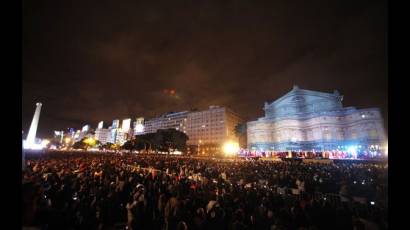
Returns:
<point x="31" y="136"/>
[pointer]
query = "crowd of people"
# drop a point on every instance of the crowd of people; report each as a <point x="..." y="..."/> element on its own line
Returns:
<point x="129" y="191"/>
<point x="364" y="155"/>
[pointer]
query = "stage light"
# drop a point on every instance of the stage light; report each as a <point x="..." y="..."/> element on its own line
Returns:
<point x="352" y="149"/>
<point x="386" y="150"/>
<point x="44" y="143"/>
<point x="67" y="140"/>
<point x="230" y="148"/>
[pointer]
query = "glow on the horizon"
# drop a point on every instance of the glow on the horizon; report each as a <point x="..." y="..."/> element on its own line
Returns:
<point x="32" y="146"/>
<point x="230" y="148"/>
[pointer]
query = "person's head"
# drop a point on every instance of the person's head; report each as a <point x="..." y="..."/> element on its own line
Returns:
<point x="270" y="214"/>
<point x="200" y="212"/>
<point x="239" y="215"/>
<point x="182" y="226"/>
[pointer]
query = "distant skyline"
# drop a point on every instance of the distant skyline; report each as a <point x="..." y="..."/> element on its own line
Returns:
<point x="104" y="61"/>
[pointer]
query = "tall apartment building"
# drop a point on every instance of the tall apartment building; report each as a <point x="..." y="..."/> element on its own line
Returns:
<point x="103" y="135"/>
<point x="124" y="132"/>
<point x="152" y="125"/>
<point x="172" y="120"/>
<point x="212" y="127"/>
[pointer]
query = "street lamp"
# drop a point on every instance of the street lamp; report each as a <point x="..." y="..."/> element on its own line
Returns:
<point x="199" y="142"/>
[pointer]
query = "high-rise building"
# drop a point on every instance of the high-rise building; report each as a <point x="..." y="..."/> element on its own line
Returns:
<point x="211" y="128"/>
<point x="115" y="124"/>
<point x="138" y="126"/>
<point x="100" y="125"/>
<point x="119" y="135"/>
<point x="103" y="135"/>
<point x="85" y="128"/>
<point x="114" y="130"/>
<point x="126" y="125"/>
<point x="84" y="132"/>
<point x="152" y="125"/>
<point x="315" y="121"/>
<point x="77" y="135"/>
<point x="59" y="135"/>
<point x="173" y="120"/>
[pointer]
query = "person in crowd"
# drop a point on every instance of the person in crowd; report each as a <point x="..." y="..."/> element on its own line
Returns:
<point x="77" y="190"/>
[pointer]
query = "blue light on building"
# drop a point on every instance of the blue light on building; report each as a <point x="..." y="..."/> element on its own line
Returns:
<point x="310" y="120"/>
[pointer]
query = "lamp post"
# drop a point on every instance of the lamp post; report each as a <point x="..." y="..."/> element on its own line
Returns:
<point x="199" y="142"/>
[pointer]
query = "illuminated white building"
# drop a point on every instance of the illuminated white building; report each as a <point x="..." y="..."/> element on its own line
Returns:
<point x="138" y="126"/>
<point x="100" y="125"/>
<point x="167" y="121"/>
<point x="103" y="135"/>
<point x="123" y="133"/>
<point x="212" y="127"/>
<point x="84" y="132"/>
<point x="114" y="130"/>
<point x="309" y="120"/>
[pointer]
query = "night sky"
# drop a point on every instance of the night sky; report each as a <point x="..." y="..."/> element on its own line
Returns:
<point x="91" y="61"/>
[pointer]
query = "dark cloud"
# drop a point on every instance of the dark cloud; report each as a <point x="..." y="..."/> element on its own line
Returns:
<point x="100" y="61"/>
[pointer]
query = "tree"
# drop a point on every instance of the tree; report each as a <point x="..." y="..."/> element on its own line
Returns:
<point x="86" y="143"/>
<point x="172" y="139"/>
<point x="129" y="145"/>
<point x="80" y="144"/>
<point x="240" y="133"/>
<point x="162" y="140"/>
<point x="107" y="145"/>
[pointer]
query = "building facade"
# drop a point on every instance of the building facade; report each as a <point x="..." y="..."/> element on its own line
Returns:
<point x="167" y="121"/>
<point x="103" y="135"/>
<point x="308" y="120"/>
<point x="211" y="128"/>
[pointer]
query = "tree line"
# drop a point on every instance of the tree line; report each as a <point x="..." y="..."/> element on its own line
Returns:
<point x="163" y="140"/>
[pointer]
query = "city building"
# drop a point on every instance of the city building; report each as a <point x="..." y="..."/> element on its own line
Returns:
<point x="138" y="126"/>
<point x="308" y="120"/>
<point x="84" y="132"/>
<point x="103" y="135"/>
<point x="77" y="135"/>
<point x="209" y="129"/>
<point x="114" y="130"/>
<point x="123" y="133"/>
<point x="173" y="120"/>
<point x="59" y="135"/>
<point x="100" y="125"/>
